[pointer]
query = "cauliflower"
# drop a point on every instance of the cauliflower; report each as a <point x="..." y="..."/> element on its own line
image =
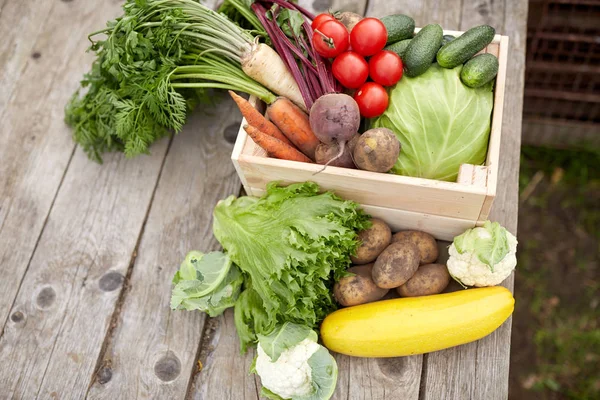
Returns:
<point x="292" y="365"/>
<point x="290" y="375"/>
<point x="483" y="256"/>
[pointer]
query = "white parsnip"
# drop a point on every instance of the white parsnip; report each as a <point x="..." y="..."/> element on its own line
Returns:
<point x="264" y="65"/>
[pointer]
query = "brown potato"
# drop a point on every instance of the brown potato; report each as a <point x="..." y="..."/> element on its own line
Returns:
<point x="429" y="279"/>
<point x="426" y="243"/>
<point x="377" y="150"/>
<point x="396" y="265"/>
<point x="373" y="241"/>
<point x="358" y="289"/>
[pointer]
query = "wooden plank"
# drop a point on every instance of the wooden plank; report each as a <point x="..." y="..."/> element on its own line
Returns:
<point x="448" y="199"/>
<point x="480" y="370"/>
<point x="225" y="371"/>
<point x="21" y="23"/>
<point x="70" y="290"/>
<point x="469" y="174"/>
<point x="35" y="144"/>
<point x="414" y="9"/>
<point x="443" y="228"/>
<point x="154" y="350"/>
<point x="319" y="6"/>
<point x="493" y="156"/>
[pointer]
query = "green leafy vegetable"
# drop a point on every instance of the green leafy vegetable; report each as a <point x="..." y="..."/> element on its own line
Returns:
<point x="158" y="60"/>
<point x="289" y="244"/>
<point x="206" y="282"/>
<point x="239" y="11"/>
<point x="489" y="242"/>
<point x="440" y="123"/>
<point x="290" y="21"/>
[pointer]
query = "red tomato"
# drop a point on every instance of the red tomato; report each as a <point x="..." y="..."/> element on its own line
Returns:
<point x="372" y="99"/>
<point x="319" y="19"/>
<point x="350" y="69"/>
<point x="385" y="68"/>
<point x="368" y="36"/>
<point x="330" y="39"/>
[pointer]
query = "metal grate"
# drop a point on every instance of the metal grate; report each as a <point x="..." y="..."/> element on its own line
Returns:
<point x="562" y="78"/>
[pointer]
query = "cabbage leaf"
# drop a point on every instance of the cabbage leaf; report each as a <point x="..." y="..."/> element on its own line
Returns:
<point x="440" y="123"/>
<point x="206" y="282"/>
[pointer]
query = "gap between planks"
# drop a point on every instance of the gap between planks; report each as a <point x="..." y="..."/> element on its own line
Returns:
<point x="125" y="286"/>
<point x="37" y="241"/>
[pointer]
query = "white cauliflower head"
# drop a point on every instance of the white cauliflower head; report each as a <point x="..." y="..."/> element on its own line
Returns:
<point x="290" y="375"/>
<point x="483" y="256"/>
<point x="292" y="365"/>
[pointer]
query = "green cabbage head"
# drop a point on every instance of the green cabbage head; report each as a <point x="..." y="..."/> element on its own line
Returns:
<point x="440" y="123"/>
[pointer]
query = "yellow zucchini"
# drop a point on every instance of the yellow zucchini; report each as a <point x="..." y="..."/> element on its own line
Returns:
<point x="417" y="325"/>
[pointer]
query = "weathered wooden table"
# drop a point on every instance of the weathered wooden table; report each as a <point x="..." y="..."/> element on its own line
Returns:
<point x="87" y="251"/>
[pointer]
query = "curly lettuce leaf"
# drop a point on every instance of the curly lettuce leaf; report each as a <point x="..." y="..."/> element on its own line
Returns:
<point x="250" y="316"/>
<point x="290" y="244"/>
<point x="440" y="123"/>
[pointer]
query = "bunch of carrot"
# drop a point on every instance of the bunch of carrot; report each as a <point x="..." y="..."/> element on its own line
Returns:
<point x="286" y="135"/>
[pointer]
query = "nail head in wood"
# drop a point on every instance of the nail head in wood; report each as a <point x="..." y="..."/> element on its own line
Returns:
<point x="168" y="367"/>
<point x="110" y="281"/>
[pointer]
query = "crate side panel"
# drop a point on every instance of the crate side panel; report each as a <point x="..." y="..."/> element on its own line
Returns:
<point x="463" y="202"/>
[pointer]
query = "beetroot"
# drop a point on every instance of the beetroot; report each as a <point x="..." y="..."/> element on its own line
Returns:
<point x="334" y="118"/>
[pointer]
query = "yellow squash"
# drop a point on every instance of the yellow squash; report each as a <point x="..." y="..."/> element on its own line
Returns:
<point x="416" y="325"/>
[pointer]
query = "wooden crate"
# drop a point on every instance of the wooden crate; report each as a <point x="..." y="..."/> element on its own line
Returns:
<point x="444" y="209"/>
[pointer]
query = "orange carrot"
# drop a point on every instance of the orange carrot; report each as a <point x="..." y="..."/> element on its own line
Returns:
<point x="294" y="124"/>
<point x="275" y="147"/>
<point x="256" y="119"/>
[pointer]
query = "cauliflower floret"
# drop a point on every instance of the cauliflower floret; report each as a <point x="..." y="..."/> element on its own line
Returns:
<point x="290" y="375"/>
<point x="470" y="271"/>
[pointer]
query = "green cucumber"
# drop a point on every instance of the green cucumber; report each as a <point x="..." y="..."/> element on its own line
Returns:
<point x="399" y="27"/>
<point x="421" y="50"/>
<point x="459" y="50"/>
<point x="399" y="47"/>
<point x="479" y="70"/>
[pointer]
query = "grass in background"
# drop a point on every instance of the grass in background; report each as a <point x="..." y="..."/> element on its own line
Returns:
<point x="556" y="328"/>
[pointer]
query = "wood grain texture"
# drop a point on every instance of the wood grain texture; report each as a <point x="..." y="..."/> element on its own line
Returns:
<point x="442" y="228"/>
<point x="224" y="375"/>
<point x="319" y="6"/>
<point x="21" y="23"/>
<point x="69" y="292"/>
<point x="35" y="144"/>
<point x="480" y="369"/>
<point x="154" y="350"/>
<point x="448" y="199"/>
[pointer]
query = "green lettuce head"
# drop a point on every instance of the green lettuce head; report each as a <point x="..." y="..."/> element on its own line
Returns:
<point x="440" y="123"/>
